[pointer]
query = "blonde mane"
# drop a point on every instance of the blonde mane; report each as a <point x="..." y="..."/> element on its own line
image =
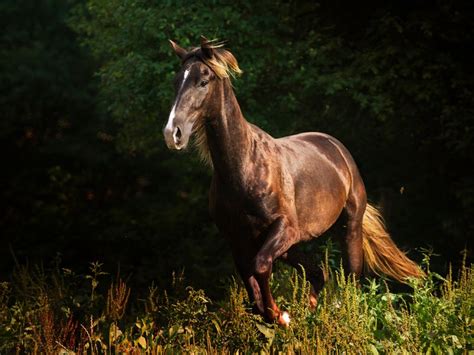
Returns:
<point x="200" y="142"/>
<point x="225" y="66"/>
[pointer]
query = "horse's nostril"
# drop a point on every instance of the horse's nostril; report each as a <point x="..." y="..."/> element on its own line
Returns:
<point x="177" y="135"/>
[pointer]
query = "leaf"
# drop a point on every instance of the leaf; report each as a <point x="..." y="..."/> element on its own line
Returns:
<point x="66" y="352"/>
<point x="114" y="332"/>
<point x="216" y="324"/>
<point x="372" y="349"/>
<point x="142" y="342"/>
<point x="268" y="332"/>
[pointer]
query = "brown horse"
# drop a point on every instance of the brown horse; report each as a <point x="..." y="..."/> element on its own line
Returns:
<point x="269" y="194"/>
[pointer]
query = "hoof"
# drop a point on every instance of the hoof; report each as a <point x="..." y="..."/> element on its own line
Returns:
<point x="313" y="302"/>
<point x="284" y="319"/>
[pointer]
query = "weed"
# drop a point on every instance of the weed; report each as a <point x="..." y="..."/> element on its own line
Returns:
<point x="54" y="310"/>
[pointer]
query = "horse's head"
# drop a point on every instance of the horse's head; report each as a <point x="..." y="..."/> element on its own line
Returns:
<point x="203" y="69"/>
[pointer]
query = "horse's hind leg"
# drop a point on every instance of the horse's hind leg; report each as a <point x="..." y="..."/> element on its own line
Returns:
<point x="314" y="274"/>
<point x="352" y="242"/>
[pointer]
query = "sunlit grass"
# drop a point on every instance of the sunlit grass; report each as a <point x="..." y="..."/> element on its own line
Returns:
<point x="55" y="310"/>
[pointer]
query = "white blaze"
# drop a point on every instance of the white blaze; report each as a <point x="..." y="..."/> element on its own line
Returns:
<point x="169" y="125"/>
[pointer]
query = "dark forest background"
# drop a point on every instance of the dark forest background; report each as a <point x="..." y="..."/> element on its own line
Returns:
<point x="86" y="87"/>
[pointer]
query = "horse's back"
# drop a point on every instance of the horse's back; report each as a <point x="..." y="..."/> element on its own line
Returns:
<point x="320" y="151"/>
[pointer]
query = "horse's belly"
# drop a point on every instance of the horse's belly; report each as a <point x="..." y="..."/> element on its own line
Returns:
<point x="319" y="205"/>
<point x="319" y="215"/>
<point x="321" y="180"/>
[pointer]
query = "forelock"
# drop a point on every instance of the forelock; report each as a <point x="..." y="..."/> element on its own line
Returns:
<point x="223" y="62"/>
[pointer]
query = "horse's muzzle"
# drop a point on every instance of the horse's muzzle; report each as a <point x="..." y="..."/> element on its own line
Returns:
<point x="174" y="138"/>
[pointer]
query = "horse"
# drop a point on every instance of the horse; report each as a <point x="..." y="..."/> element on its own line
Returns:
<point x="269" y="194"/>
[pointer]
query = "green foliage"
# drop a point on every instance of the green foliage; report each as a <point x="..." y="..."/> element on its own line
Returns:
<point x="42" y="67"/>
<point x="50" y="310"/>
<point x="65" y="188"/>
<point x="131" y="40"/>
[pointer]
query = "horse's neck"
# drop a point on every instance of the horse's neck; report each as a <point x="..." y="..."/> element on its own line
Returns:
<point x="229" y="137"/>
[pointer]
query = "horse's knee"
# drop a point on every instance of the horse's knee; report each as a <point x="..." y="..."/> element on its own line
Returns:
<point x="263" y="265"/>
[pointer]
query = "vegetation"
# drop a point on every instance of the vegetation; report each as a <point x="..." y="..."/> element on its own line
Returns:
<point x="57" y="310"/>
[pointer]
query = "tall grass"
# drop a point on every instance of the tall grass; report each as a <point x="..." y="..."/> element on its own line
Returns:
<point x="56" y="310"/>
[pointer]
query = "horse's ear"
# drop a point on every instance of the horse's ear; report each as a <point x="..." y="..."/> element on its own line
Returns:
<point x="180" y="51"/>
<point x="207" y="48"/>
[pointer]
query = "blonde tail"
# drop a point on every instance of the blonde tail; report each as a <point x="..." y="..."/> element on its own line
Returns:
<point x="381" y="255"/>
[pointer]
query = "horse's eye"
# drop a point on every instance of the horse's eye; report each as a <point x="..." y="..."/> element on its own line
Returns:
<point x="203" y="83"/>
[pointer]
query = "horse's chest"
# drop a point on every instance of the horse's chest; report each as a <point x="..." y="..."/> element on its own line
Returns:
<point x="245" y="212"/>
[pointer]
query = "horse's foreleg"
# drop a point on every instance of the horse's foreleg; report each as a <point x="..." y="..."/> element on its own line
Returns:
<point x="243" y="257"/>
<point x="253" y="289"/>
<point x="280" y="237"/>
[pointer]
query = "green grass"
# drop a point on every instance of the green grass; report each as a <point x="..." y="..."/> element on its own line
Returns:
<point x="55" y="310"/>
